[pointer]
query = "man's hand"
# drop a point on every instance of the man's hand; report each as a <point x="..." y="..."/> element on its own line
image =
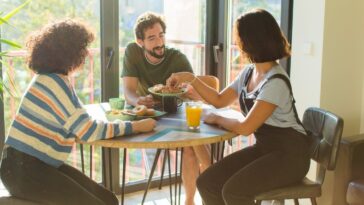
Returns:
<point x="146" y="100"/>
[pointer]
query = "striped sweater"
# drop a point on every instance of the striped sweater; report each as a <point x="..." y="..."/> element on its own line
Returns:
<point x="51" y="117"/>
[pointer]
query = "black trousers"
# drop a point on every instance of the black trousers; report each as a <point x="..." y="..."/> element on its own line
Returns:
<point x="29" y="178"/>
<point x="274" y="161"/>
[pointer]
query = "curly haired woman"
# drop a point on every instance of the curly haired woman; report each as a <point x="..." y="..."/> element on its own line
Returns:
<point x="50" y="119"/>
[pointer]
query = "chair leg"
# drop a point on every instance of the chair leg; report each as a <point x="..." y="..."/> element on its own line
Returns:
<point x="313" y="201"/>
<point x="296" y="202"/>
<point x="258" y="202"/>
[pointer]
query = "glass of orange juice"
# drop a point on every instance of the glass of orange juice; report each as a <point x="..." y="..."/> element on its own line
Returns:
<point x="193" y="115"/>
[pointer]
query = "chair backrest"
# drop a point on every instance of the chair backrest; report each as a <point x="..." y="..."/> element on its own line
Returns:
<point x="211" y="81"/>
<point x="326" y="129"/>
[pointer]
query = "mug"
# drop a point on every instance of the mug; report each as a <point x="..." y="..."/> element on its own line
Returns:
<point x="170" y="103"/>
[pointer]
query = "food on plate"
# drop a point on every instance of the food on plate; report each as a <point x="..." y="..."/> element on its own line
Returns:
<point x="116" y="112"/>
<point x="140" y="110"/>
<point x="150" y="112"/>
<point x="160" y="88"/>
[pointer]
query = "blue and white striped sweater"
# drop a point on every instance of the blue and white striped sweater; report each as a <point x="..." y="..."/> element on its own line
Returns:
<point x="51" y="117"/>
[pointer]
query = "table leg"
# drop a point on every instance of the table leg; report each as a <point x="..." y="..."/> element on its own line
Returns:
<point x="91" y="159"/>
<point x="180" y="174"/>
<point x="163" y="166"/>
<point x="212" y="153"/>
<point x="170" y="176"/>
<point x="82" y="159"/>
<point x="151" y="174"/>
<point x="176" y="178"/>
<point x="123" y="183"/>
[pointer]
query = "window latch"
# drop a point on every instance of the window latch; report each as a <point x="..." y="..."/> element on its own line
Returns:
<point x="110" y="55"/>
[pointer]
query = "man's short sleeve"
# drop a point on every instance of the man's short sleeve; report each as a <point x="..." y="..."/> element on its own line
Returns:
<point x="183" y="63"/>
<point x="129" y="66"/>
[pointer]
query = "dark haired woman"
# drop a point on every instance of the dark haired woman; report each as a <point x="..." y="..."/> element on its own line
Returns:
<point x="51" y="118"/>
<point x="279" y="156"/>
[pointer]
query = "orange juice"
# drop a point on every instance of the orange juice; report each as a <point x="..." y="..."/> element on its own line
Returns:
<point x="193" y="115"/>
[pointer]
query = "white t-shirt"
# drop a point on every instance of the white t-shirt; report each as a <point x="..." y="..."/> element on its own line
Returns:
<point x="274" y="91"/>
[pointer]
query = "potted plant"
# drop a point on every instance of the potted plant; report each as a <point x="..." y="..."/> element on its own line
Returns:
<point x="4" y="20"/>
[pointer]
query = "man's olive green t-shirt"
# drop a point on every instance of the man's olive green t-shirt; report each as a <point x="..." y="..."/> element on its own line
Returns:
<point x="136" y="65"/>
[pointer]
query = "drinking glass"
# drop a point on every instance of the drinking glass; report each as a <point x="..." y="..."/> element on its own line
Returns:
<point x="193" y="115"/>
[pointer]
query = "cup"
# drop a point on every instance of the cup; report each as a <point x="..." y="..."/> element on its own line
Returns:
<point x="193" y="115"/>
<point x="117" y="103"/>
<point x="170" y="103"/>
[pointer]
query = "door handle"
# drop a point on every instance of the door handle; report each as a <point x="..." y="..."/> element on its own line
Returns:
<point x="110" y="55"/>
<point x="216" y="49"/>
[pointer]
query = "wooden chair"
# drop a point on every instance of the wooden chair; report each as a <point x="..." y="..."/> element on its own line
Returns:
<point x="326" y="129"/>
<point x="211" y="81"/>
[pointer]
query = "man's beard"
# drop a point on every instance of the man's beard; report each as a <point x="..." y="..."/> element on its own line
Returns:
<point x="153" y="52"/>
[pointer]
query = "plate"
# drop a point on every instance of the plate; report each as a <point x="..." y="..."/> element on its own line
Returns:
<point x="127" y="115"/>
<point x="184" y="90"/>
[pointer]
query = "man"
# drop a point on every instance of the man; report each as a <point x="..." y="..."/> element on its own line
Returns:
<point x="147" y="63"/>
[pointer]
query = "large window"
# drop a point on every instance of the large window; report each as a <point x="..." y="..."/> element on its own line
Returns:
<point x="16" y="74"/>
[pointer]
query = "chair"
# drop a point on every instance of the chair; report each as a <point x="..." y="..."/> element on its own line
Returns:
<point x="210" y="80"/>
<point x="349" y="173"/>
<point x="12" y="200"/>
<point x="326" y="129"/>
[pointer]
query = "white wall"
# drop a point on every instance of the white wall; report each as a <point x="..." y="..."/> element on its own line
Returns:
<point x="331" y="75"/>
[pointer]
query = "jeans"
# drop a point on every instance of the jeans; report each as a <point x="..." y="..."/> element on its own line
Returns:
<point x="29" y="178"/>
<point x="274" y="161"/>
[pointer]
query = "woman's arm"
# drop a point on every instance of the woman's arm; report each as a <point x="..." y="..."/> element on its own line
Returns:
<point x="210" y="95"/>
<point x="260" y="112"/>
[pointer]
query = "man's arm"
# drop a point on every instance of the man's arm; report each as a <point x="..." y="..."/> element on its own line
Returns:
<point x="130" y="92"/>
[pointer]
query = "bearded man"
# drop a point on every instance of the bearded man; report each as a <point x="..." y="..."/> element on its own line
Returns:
<point x="148" y="61"/>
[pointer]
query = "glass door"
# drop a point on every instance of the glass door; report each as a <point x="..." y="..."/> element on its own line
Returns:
<point x="185" y="22"/>
<point x="238" y="7"/>
<point x="17" y="76"/>
<point x="234" y="62"/>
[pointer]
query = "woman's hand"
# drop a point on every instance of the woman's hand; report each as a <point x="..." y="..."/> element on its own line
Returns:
<point x="211" y="118"/>
<point x="145" y="125"/>
<point x="178" y="78"/>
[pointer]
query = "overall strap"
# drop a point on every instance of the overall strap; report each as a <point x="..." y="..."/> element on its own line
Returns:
<point x="286" y="80"/>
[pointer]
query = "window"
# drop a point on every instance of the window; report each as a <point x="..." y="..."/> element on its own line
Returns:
<point x="16" y="74"/>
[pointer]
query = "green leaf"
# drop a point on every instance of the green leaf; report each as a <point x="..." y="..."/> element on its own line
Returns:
<point x="14" y="11"/>
<point x="3" y="21"/>
<point x="10" y="43"/>
<point x="4" y="87"/>
<point x="4" y="54"/>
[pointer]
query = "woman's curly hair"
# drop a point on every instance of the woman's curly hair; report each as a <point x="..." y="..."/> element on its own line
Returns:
<point x="59" y="47"/>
